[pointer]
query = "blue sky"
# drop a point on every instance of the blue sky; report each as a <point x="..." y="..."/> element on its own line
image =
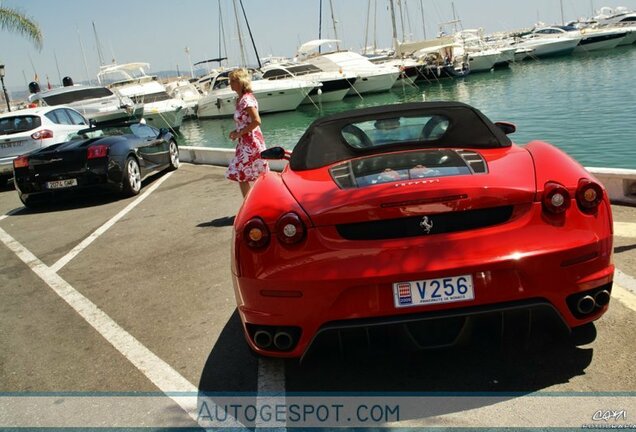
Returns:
<point x="158" y="31"/>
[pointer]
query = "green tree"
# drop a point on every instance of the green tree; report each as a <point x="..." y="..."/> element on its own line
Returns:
<point x="16" y="22"/>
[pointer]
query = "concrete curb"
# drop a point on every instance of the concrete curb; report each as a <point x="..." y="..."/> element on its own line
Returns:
<point x="620" y="183"/>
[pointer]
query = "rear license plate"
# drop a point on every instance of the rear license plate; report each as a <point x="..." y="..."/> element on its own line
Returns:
<point x="433" y="291"/>
<point x="60" y="184"/>
<point x="13" y="144"/>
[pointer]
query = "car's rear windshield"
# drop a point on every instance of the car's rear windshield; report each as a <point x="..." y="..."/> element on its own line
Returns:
<point x="389" y="128"/>
<point x="403" y="166"/>
<point x="395" y="130"/>
<point x="77" y="95"/>
<point x="17" y="124"/>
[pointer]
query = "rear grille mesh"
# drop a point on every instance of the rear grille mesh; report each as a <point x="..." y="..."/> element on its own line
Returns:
<point x="425" y="225"/>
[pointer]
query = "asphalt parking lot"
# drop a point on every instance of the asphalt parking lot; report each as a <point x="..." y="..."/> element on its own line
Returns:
<point x="102" y="295"/>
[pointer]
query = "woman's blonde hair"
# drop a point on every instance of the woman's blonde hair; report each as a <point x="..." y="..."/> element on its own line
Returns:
<point x="243" y="78"/>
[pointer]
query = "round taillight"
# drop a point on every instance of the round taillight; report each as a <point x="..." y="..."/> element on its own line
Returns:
<point x="556" y="198"/>
<point x="588" y="195"/>
<point x="290" y="228"/>
<point x="256" y="233"/>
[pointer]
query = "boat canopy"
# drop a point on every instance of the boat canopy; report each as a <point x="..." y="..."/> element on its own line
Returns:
<point x="313" y="44"/>
<point x="428" y="45"/>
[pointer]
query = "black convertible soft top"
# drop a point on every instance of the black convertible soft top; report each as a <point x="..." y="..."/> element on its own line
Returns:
<point x="323" y="142"/>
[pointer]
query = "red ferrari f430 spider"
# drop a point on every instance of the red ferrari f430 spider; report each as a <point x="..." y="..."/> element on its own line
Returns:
<point x="414" y="214"/>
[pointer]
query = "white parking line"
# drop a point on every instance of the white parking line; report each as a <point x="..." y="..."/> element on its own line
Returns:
<point x="270" y="390"/>
<point x="4" y="216"/>
<point x="625" y="229"/>
<point x="102" y="229"/>
<point x="156" y="370"/>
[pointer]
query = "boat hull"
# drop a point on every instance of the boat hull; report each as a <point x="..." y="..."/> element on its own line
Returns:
<point x="373" y="83"/>
<point x="219" y="105"/>
<point x="164" y="117"/>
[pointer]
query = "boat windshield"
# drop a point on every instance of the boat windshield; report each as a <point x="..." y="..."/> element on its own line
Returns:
<point x="77" y="96"/>
<point x="152" y="97"/>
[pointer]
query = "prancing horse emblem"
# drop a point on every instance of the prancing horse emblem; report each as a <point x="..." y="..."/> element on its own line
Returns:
<point x="426" y="224"/>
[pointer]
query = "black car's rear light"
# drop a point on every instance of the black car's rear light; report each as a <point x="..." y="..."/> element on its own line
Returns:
<point x="556" y="198"/>
<point x="290" y="229"/>
<point x="43" y="134"/>
<point x="256" y="233"/>
<point x="97" y="151"/>
<point x="588" y="195"/>
<point x="21" y="162"/>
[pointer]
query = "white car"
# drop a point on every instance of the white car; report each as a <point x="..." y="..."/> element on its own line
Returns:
<point x="29" y="129"/>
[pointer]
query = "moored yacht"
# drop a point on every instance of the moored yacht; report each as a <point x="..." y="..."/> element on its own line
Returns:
<point x="96" y="103"/>
<point x="620" y="17"/>
<point x="187" y="92"/>
<point x="272" y="96"/>
<point x="335" y="84"/>
<point x="370" y="77"/>
<point x="592" y="38"/>
<point x="132" y="80"/>
<point x="547" y="43"/>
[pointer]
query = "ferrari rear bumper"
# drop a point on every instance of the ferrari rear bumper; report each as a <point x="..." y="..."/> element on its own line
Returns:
<point x="565" y="267"/>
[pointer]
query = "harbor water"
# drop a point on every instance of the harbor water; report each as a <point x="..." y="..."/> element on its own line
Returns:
<point x="582" y="103"/>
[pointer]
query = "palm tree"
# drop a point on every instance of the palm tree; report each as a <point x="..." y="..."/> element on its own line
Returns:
<point x="14" y="21"/>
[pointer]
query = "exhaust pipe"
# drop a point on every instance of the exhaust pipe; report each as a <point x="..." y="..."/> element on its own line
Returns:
<point x="263" y="339"/>
<point x="283" y="340"/>
<point x="602" y="298"/>
<point x="585" y="305"/>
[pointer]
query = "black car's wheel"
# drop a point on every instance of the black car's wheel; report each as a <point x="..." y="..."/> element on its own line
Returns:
<point x="174" y="156"/>
<point x="131" y="181"/>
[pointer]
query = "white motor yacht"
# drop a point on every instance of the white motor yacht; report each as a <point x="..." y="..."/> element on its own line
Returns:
<point x="187" y="92"/>
<point x="335" y="84"/>
<point x="548" y="43"/>
<point x="131" y="79"/>
<point x="96" y="103"/>
<point x="272" y="96"/>
<point x="370" y="77"/>
<point x="620" y="17"/>
<point x="481" y="57"/>
<point x="592" y="38"/>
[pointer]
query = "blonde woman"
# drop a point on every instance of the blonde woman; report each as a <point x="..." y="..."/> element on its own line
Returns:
<point x="247" y="163"/>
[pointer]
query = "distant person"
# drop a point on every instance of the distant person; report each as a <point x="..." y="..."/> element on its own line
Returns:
<point x="246" y="165"/>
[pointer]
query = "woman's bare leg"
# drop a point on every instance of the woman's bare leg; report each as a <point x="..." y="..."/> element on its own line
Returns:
<point x="245" y="188"/>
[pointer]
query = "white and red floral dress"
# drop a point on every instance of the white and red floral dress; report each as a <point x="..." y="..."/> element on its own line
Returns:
<point x="247" y="163"/>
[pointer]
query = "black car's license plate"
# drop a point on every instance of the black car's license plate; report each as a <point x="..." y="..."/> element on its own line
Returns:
<point x="60" y="184"/>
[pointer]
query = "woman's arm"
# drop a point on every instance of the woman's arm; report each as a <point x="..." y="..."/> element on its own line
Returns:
<point x="253" y="124"/>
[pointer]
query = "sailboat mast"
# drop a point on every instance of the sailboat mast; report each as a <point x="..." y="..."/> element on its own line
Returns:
<point x="333" y="20"/>
<point x="423" y="23"/>
<point x="88" y="77"/>
<point x="249" y="30"/>
<point x="366" y="28"/>
<point x="57" y="65"/>
<point x="99" y="48"/>
<point x="402" y="21"/>
<point x="320" y="23"/>
<point x="562" y="18"/>
<point x="375" y="24"/>
<point x="395" y="39"/>
<point x="240" y="38"/>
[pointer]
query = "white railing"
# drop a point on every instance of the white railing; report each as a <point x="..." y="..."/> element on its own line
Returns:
<point x="620" y="183"/>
